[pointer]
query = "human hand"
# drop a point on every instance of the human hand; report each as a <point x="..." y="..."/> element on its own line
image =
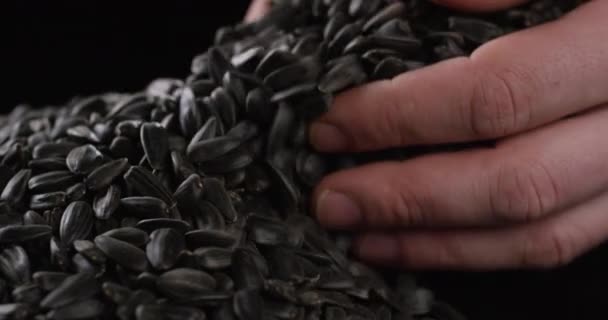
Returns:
<point x="257" y="9"/>
<point x="537" y="199"/>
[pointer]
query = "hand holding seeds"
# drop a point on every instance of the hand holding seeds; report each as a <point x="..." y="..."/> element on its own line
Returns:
<point x="536" y="198"/>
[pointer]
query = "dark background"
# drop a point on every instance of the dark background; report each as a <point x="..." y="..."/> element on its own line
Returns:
<point x="53" y="50"/>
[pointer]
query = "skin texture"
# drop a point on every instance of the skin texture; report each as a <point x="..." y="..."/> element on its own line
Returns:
<point x="535" y="200"/>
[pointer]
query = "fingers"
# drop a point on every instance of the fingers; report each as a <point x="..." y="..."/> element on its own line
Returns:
<point x="522" y="179"/>
<point x="257" y="9"/>
<point x="512" y="84"/>
<point x="480" y="5"/>
<point x="545" y="244"/>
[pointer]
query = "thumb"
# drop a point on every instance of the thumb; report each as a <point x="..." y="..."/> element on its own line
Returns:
<point x="480" y="5"/>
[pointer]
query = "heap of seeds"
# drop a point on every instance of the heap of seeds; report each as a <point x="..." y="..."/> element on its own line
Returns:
<point x="188" y="200"/>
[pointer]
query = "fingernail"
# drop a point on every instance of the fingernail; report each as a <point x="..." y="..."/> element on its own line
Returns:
<point x="337" y="210"/>
<point x="378" y="248"/>
<point x="327" y="137"/>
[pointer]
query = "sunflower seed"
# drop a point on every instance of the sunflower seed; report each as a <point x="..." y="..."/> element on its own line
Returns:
<point x="153" y="224"/>
<point x="145" y="207"/>
<point x="185" y="284"/>
<point x="146" y="184"/>
<point x="53" y="149"/>
<point x="216" y="194"/>
<point x="15" y="188"/>
<point x="155" y="141"/>
<point x="211" y="258"/>
<point x="77" y="222"/>
<point x="115" y="292"/>
<point x="168" y="312"/>
<point x="50" y="181"/>
<point x="84" y="159"/>
<point x="84" y="309"/>
<point x="49" y="280"/>
<point x="32" y="217"/>
<point x="18" y="234"/>
<point x="47" y="164"/>
<point x="164" y="248"/>
<point x="123" y="253"/>
<point x="74" y="288"/>
<point x="76" y="192"/>
<point x="15" y="265"/>
<point x="134" y="236"/>
<point x="103" y="176"/>
<point x="248" y="305"/>
<point x="210" y="238"/>
<point x="106" y="203"/>
<point x="213" y="148"/>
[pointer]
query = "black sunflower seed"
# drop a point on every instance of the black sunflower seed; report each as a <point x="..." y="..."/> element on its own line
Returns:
<point x="103" y="176"/>
<point x="248" y="304"/>
<point x="273" y="60"/>
<point x="341" y="77"/>
<point x="164" y="248"/>
<point x="207" y="216"/>
<point x="189" y="192"/>
<point x="84" y="309"/>
<point x="49" y="280"/>
<point x="168" y="312"/>
<point x="15" y="265"/>
<point x="76" y="192"/>
<point x="146" y="184"/>
<point x="106" y="203"/>
<point x="47" y="164"/>
<point x="213" y="148"/>
<point x="123" y="253"/>
<point x="134" y="236"/>
<point x="76" y="222"/>
<point x="216" y="194"/>
<point x="14" y="311"/>
<point x="32" y="217"/>
<point x="50" y="181"/>
<point x="27" y="293"/>
<point x="190" y="118"/>
<point x="185" y="284"/>
<point x="145" y="207"/>
<point x="74" y="288"/>
<point x="116" y="292"/>
<point x="211" y="258"/>
<point x="18" y="234"/>
<point x="267" y="232"/>
<point x="392" y="11"/>
<point x="153" y="224"/>
<point x="15" y="188"/>
<point x="207" y="131"/>
<point x="475" y="30"/>
<point x="218" y="65"/>
<point x="53" y="149"/>
<point x="155" y="141"/>
<point x="230" y="162"/>
<point x="245" y="271"/>
<point x="48" y="200"/>
<point x="84" y="159"/>
<point x="210" y="238"/>
<point x="83" y="132"/>
<point x="258" y="106"/>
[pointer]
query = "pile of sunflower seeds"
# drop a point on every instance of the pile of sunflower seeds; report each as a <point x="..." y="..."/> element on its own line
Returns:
<point x="189" y="199"/>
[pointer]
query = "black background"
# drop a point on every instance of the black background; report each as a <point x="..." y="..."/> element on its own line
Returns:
<point x="53" y="50"/>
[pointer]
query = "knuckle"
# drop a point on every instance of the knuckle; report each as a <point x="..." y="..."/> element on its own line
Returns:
<point x="406" y="208"/>
<point x="549" y="249"/>
<point x="523" y="191"/>
<point x="500" y="104"/>
<point x="394" y="126"/>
